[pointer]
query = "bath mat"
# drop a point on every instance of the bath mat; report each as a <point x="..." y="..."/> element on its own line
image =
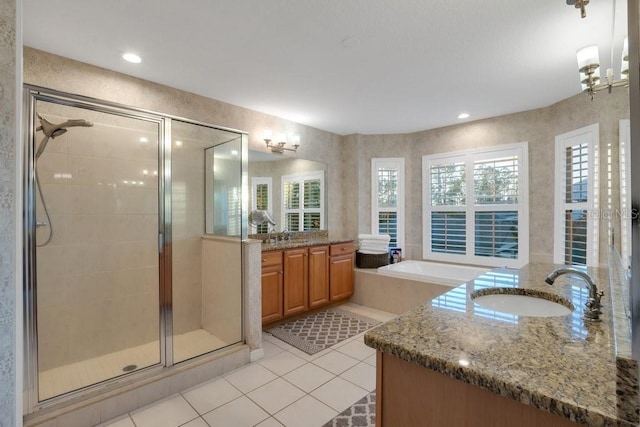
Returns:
<point x="361" y="414"/>
<point x="318" y="331"/>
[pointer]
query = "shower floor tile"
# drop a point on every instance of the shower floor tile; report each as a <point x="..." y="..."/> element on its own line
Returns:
<point x="64" y="379"/>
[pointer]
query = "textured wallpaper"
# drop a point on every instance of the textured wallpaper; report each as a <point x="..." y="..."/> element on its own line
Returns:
<point x="7" y="210"/>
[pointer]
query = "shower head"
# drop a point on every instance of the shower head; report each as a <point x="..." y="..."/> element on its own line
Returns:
<point x="51" y="130"/>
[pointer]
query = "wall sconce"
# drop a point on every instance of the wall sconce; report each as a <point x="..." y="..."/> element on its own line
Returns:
<point x="589" y="68"/>
<point x="281" y="141"/>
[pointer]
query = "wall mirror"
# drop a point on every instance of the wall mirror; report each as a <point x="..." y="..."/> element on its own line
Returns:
<point x="223" y="188"/>
<point x="293" y="190"/>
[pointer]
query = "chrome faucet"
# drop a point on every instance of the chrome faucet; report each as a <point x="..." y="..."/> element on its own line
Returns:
<point x="592" y="306"/>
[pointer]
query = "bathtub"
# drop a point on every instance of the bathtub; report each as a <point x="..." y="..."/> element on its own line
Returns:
<point x="397" y="288"/>
<point x="432" y="272"/>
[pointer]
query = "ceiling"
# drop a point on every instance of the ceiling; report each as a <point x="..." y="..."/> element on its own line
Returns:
<point x="345" y="66"/>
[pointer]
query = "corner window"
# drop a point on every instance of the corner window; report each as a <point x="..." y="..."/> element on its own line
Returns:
<point x="303" y="201"/>
<point x="387" y="199"/>
<point x="476" y="206"/>
<point x="576" y="197"/>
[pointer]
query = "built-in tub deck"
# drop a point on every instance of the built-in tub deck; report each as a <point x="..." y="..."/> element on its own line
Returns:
<point x="397" y="288"/>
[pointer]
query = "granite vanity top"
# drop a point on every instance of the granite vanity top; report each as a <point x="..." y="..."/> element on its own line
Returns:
<point x="303" y="239"/>
<point x="562" y="365"/>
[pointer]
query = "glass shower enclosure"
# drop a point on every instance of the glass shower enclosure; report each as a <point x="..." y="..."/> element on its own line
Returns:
<point x="123" y="273"/>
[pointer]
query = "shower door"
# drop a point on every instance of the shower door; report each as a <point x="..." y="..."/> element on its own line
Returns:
<point x="94" y="182"/>
<point x="124" y="271"/>
<point x="206" y="268"/>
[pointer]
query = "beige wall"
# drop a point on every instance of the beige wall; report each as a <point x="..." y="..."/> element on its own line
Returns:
<point x="537" y="127"/>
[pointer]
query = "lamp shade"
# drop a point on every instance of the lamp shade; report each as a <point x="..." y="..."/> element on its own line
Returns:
<point x="295" y="140"/>
<point x="267" y="134"/>
<point x="588" y="56"/>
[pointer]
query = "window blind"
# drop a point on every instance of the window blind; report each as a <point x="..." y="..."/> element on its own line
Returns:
<point x="448" y="184"/>
<point x="387" y="187"/>
<point x="576" y="191"/>
<point x="496" y="181"/>
<point x="448" y="232"/>
<point x="303" y="201"/>
<point x="388" y="224"/>
<point x="262" y="203"/>
<point x="496" y="234"/>
<point x="476" y="206"/>
<point x="387" y="201"/>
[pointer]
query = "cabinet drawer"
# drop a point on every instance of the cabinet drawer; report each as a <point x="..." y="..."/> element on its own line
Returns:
<point x="342" y="249"/>
<point x="272" y="258"/>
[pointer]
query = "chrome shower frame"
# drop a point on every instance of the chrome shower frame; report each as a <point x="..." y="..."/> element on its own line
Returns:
<point x="32" y="94"/>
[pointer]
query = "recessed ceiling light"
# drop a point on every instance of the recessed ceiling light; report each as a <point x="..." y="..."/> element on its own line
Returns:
<point x="463" y="116"/>
<point x="351" y="42"/>
<point x="132" y="57"/>
<point x="144" y="139"/>
<point x="234" y="152"/>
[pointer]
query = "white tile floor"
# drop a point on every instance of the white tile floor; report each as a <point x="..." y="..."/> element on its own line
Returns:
<point x="73" y="376"/>
<point x="286" y="388"/>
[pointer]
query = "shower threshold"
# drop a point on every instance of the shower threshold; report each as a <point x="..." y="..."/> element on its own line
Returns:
<point x="74" y="376"/>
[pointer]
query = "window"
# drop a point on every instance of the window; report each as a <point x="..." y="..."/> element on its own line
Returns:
<point x="303" y="201"/>
<point x="576" y="197"/>
<point x="476" y="206"/>
<point x="387" y="199"/>
<point x="625" y="192"/>
<point x="261" y="198"/>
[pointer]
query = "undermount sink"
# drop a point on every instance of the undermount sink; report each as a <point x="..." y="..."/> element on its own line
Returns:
<point x="516" y="301"/>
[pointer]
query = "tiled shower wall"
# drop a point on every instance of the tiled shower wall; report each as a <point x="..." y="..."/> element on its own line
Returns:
<point x="222" y="288"/>
<point x="10" y="59"/>
<point x="97" y="280"/>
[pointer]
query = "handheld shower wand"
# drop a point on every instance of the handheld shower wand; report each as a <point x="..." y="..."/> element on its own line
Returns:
<point x="51" y="131"/>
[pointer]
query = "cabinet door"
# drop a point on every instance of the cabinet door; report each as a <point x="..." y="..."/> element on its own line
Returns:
<point x="296" y="263"/>
<point x="271" y="294"/>
<point x="341" y="277"/>
<point x="318" y="276"/>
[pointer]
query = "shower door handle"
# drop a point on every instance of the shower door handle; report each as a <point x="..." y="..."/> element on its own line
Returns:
<point x="160" y="242"/>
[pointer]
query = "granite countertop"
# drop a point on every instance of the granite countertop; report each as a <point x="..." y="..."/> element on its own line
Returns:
<point x="301" y="243"/>
<point x="562" y="365"/>
<point x="300" y="239"/>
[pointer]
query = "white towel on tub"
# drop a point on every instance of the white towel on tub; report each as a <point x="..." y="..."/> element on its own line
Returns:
<point x="372" y="252"/>
<point x="374" y="237"/>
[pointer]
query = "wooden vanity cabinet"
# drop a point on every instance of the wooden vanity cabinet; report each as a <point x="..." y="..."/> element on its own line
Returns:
<point x="341" y="263"/>
<point x="297" y="280"/>
<point x="318" y="276"/>
<point x="272" y="287"/>
<point x="296" y="266"/>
